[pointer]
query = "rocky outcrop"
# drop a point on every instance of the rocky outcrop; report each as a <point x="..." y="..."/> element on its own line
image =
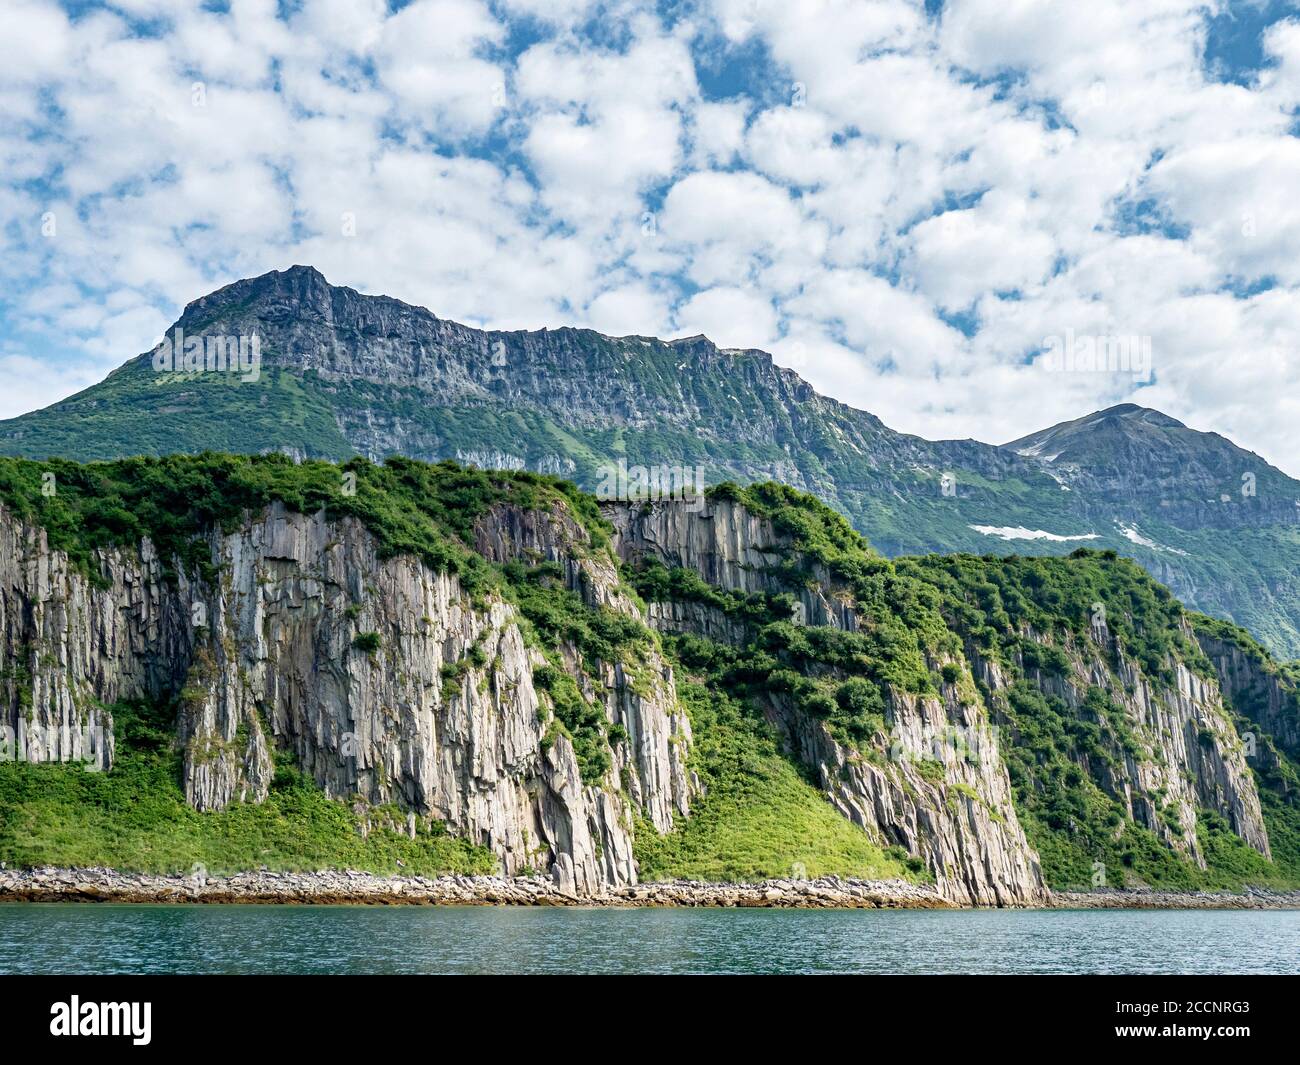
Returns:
<point x="940" y="790"/>
<point x="1256" y="691"/>
<point x="71" y="646"/>
<point x="314" y="644"/>
<point x="651" y="761"/>
<point x="1188" y="756"/>
<point x="942" y="793"/>
<point x="733" y="549"/>
<point x="392" y="685"/>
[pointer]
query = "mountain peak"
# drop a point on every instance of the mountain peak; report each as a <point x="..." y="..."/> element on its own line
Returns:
<point x="303" y="284"/>
<point x="1128" y="420"/>
<point x="1131" y="412"/>
<point x="1135" y="456"/>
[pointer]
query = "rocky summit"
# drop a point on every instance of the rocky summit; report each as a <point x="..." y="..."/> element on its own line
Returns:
<point x="339" y="373"/>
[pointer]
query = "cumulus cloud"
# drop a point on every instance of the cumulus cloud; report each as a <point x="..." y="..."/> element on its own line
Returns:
<point x="428" y="57"/>
<point x="730" y="317"/>
<point x="902" y="206"/>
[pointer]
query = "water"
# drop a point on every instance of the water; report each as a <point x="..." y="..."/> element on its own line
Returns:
<point x="71" y="938"/>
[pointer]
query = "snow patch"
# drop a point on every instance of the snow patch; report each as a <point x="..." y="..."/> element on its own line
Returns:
<point x="1007" y="532"/>
<point x="1131" y="533"/>
<point x="1038" y="450"/>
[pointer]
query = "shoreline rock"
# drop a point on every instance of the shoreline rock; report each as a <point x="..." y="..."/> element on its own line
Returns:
<point x="1149" y="899"/>
<point x="349" y="886"/>
<point x="48" y="884"/>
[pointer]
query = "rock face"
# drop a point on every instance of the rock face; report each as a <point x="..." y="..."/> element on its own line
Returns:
<point x="313" y="644"/>
<point x="1188" y="756"/>
<point x="651" y="761"/>
<point x="392" y="685"/>
<point x="960" y="822"/>
<point x="958" y="816"/>
<point x="1261" y="695"/>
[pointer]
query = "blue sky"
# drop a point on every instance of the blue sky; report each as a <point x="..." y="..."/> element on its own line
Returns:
<point x="909" y="203"/>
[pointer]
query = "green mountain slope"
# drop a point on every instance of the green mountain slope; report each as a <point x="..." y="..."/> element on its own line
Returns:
<point x="344" y="373"/>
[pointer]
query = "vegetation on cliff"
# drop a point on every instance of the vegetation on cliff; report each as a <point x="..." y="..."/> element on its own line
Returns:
<point x="759" y="812"/>
<point x="410" y="507"/>
<point x="134" y="817"/>
<point x="759" y="818"/>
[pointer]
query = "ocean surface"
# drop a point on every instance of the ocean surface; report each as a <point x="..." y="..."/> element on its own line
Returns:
<point x="97" y="938"/>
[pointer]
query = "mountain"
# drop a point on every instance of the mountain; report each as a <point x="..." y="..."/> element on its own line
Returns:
<point x="307" y="666"/>
<point x="342" y="373"/>
<point x="1123" y="460"/>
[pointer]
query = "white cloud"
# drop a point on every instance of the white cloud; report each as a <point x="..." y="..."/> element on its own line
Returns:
<point x="864" y="171"/>
<point x="428" y="57"/>
<point x="35" y="43"/>
<point x="718" y="132"/>
<point x="997" y="246"/>
<point x="596" y="169"/>
<point x="734" y="225"/>
<point x="730" y="317"/>
<point x="632" y="310"/>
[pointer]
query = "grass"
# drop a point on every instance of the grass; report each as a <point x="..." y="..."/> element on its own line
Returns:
<point x="134" y="817"/>
<point x="759" y="819"/>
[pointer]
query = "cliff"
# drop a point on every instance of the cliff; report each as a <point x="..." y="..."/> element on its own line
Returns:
<point x="959" y="820"/>
<point x="386" y="681"/>
<point x="490" y="658"/>
<point x="1078" y="681"/>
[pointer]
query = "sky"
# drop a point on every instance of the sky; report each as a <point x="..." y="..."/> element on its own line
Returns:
<point x="940" y="212"/>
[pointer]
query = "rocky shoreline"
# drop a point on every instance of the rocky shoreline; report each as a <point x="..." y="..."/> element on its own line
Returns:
<point x="1114" y="899"/>
<point x="108" y="885"/>
<point x="352" y="887"/>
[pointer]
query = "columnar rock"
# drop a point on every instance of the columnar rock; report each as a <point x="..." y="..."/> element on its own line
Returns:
<point x="1188" y="756"/>
<point x="961" y="823"/>
<point x="311" y="642"/>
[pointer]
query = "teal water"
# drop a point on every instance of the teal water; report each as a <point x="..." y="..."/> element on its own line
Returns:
<point x="54" y="938"/>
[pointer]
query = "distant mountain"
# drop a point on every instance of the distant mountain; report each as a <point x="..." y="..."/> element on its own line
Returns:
<point x="1127" y="458"/>
<point x="343" y="373"/>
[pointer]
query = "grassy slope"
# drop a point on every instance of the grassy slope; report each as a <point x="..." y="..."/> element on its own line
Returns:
<point x="135" y="817"/>
<point x="759" y="818"/>
<point x="136" y="411"/>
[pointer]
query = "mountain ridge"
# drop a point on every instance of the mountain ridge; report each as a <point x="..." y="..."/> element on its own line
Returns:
<point x="345" y="373"/>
